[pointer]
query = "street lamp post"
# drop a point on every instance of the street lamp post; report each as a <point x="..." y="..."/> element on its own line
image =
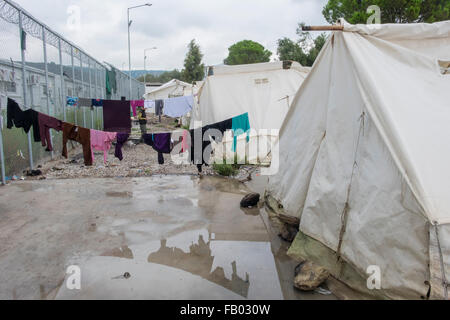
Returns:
<point x="129" y="49"/>
<point x="145" y="69"/>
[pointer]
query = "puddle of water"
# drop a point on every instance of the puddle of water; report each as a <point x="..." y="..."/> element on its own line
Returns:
<point x="119" y="194"/>
<point x="181" y="268"/>
<point x="178" y="237"/>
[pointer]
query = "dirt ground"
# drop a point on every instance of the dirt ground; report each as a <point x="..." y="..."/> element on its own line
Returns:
<point x="140" y="160"/>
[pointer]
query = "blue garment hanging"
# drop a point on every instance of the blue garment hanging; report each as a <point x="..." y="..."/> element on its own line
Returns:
<point x="241" y="125"/>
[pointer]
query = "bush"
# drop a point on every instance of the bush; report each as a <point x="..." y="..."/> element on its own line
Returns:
<point x="226" y="170"/>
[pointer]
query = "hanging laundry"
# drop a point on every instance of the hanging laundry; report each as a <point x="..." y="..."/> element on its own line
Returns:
<point x="80" y="135"/>
<point x="185" y="141"/>
<point x="72" y="101"/>
<point x="22" y="119"/>
<point x="178" y="107"/>
<point x="160" y="142"/>
<point x="159" y="106"/>
<point x="45" y="124"/>
<point x="135" y="104"/>
<point x="198" y="150"/>
<point x="111" y="81"/>
<point x="150" y="105"/>
<point x="101" y="141"/>
<point x="97" y="103"/>
<point x="116" y="116"/>
<point x="241" y="125"/>
<point x="121" y="139"/>
<point x="83" y="102"/>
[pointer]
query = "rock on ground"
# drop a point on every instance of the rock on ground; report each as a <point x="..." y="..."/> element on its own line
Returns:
<point x="288" y="232"/>
<point x="308" y="276"/>
<point x="250" y="200"/>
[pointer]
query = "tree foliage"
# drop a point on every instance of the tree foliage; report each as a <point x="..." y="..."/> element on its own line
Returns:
<point x="247" y="52"/>
<point x="305" y="50"/>
<point x="392" y="11"/>
<point x="194" y="69"/>
<point x="162" y="78"/>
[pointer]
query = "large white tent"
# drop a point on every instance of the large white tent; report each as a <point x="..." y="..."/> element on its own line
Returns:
<point x="264" y="90"/>
<point x="364" y="162"/>
<point x="173" y="88"/>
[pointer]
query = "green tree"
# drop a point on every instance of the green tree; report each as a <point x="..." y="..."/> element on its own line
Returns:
<point x="247" y="52"/>
<point x="304" y="51"/>
<point x="194" y="69"/>
<point x="290" y="50"/>
<point x="162" y="78"/>
<point x="392" y="11"/>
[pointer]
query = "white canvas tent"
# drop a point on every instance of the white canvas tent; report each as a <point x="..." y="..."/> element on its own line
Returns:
<point x="173" y="88"/>
<point x="365" y="159"/>
<point x="264" y="90"/>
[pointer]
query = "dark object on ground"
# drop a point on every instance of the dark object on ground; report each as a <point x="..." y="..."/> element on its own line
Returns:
<point x="308" y="276"/>
<point x="127" y="275"/>
<point x="250" y="200"/>
<point x="33" y="173"/>
<point x="288" y="232"/>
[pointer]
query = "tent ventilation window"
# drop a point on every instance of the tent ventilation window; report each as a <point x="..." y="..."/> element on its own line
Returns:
<point x="261" y="81"/>
<point x="445" y="67"/>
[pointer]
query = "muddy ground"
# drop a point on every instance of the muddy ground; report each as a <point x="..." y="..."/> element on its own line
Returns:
<point x="140" y="160"/>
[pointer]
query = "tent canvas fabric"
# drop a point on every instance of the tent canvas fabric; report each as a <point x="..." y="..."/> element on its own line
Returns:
<point x="364" y="158"/>
<point x="264" y="90"/>
<point x="173" y="88"/>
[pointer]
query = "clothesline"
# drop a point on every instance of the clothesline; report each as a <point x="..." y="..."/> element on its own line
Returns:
<point x="91" y="139"/>
<point x="96" y="140"/>
<point x="172" y="107"/>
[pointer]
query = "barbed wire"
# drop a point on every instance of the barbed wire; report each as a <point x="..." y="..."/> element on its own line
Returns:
<point x="35" y="29"/>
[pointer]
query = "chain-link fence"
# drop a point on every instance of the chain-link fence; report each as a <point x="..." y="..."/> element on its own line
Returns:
<point x="39" y="69"/>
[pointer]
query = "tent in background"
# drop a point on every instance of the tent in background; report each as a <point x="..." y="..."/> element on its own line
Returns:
<point x="364" y="160"/>
<point x="264" y="90"/>
<point x="171" y="89"/>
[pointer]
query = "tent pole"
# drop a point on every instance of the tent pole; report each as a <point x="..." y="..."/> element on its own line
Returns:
<point x="323" y="28"/>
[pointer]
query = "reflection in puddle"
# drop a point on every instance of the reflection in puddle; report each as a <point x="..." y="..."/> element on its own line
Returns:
<point x="199" y="261"/>
<point x="123" y="252"/>
<point x="211" y="248"/>
<point x="125" y="195"/>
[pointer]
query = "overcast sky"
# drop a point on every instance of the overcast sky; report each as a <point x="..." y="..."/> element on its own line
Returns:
<point x="171" y="24"/>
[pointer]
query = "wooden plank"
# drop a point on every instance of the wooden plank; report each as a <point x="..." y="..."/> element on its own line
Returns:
<point x="323" y="28"/>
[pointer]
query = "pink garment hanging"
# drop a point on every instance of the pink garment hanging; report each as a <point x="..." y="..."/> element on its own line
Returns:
<point x="184" y="143"/>
<point x="101" y="141"/>
<point x="135" y="104"/>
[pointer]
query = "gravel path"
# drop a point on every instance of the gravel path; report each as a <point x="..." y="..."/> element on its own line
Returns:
<point x="140" y="160"/>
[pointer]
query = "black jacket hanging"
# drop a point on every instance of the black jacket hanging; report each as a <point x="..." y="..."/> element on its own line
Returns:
<point x="197" y="153"/>
<point x="23" y="119"/>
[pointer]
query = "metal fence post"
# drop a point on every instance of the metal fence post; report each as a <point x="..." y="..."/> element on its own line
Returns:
<point x="24" y="84"/>
<point x="61" y="72"/>
<point x="2" y="157"/>
<point x="74" y="85"/>
<point x="44" y="44"/>
<point x="97" y="95"/>
<point x="82" y="86"/>
<point x="90" y="93"/>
